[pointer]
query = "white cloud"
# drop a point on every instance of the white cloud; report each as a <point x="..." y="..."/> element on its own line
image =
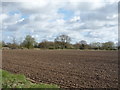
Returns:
<point x="3" y="16"/>
<point x="91" y="20"/>
<point x="114" y="16"/>
<point x="75" y="18"/>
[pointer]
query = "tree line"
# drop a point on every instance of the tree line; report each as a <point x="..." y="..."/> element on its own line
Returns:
<point x="60" y="42"/>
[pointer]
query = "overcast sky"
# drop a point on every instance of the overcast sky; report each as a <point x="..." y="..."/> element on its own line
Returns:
<point x="93" y="21"/>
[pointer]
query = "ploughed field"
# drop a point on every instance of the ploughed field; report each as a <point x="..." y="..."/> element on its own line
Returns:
<point x="66" y="68"/>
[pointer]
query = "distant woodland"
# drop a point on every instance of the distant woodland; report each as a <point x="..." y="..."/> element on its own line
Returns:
<point x="60" y="42"/>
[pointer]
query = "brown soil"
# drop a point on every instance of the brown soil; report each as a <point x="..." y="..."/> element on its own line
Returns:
<point x="66" y="68"/>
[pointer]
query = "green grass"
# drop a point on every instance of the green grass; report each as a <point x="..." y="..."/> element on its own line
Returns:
<point x="10" y="80"/>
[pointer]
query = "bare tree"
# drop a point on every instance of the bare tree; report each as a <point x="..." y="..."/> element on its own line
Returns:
<point x="83" y="44"/>
<point x="62" y="41"/>
<point x="14" y="44"/>
<point x="96" y="45"/>
<point x="63" y="38"/>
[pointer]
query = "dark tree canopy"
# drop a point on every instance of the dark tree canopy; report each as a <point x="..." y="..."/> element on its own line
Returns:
<point x="63" y="38"/>
<point x="62" y="41"/>
<point x="83" y="42"/>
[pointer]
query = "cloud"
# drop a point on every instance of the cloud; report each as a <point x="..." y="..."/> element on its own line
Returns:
<point x="88" y="20"/>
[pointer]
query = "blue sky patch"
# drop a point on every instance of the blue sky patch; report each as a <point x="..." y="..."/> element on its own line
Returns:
<point x="68" y="14"/>
<point x="18" y="12"/>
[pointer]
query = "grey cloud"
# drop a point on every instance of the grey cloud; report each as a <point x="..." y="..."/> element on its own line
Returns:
<point x="42" y="21"/>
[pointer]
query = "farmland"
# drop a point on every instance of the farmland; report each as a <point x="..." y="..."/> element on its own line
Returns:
<point x="65" y="68"/>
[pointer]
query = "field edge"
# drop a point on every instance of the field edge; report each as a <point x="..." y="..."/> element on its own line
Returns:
<point x="10" y="80"/>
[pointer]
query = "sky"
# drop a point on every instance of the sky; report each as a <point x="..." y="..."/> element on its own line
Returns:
<point x="93" y="21"/>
